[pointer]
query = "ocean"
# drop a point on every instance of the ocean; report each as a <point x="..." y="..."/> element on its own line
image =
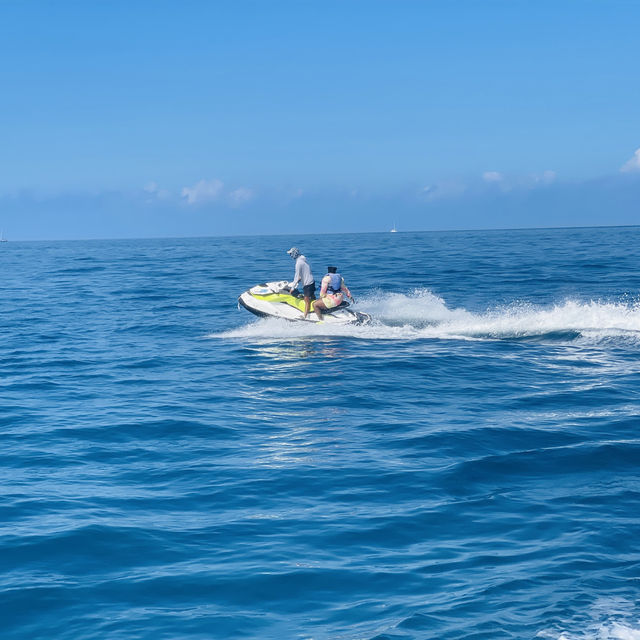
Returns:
<point x="465" y="467"/>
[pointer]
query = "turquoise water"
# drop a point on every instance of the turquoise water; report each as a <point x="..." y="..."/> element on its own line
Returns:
<point x="465" y="467"/>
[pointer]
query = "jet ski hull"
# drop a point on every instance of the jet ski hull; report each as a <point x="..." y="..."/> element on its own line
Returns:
<point x="273" y="300"/>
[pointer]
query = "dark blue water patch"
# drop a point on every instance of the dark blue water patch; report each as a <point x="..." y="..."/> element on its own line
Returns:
<point x="564" y="335"/>
<point x="593" y="461"/>
<point x="81" y="270"/>
<point x="589" y="396"/>
<point x="483" y="439"/>
<point x="83" y="551"/>
<point x="33" y="386"/>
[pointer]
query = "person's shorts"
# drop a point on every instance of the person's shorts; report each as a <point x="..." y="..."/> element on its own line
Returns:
<point x="309" y="291"/>
<point x="332" y="300"/>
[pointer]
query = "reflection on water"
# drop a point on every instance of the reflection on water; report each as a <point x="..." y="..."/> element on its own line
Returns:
<point x="292" y="446"/>
<point x="295" y="352"/>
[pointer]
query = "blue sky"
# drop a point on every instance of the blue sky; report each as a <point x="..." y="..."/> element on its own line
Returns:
<point x="128" y="119"/>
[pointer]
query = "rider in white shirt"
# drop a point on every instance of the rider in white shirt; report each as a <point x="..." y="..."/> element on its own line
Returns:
<point x="303" y="274"/>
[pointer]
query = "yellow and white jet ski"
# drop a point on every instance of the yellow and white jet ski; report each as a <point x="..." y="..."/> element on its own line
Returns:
<point x="276" y="300"/>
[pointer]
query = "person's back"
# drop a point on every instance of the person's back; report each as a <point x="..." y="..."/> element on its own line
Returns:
<point x="332" y="291"/>
<point x="303" y="271"/>
<point x="303" y="274"/>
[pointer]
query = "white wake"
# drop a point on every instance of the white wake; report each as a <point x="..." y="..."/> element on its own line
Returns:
<point x="422" y="314"/>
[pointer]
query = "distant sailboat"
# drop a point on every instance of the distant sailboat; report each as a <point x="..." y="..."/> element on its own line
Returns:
<point x="2" y="238"/>
<point x="394" y="230"/>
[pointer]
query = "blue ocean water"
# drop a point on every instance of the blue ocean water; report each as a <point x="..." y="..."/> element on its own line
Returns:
<point x="465" y="467"/>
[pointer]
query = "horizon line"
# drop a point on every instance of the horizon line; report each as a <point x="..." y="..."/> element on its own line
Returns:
<point x="342" y="233"/>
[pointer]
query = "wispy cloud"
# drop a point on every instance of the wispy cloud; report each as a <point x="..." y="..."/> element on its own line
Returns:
<point x="546" y="177"/>
<point x="445" y="189"/>
<point x="633" y="164"/>
<point x="203" y="191"/>
<point x="527" y="181"/>
<point x="459" y="204"/>
<point x="492" y="176"/>
<point x="240" y="196"/>
<point x="214" y="191"/>
<point x="154" y="192"/>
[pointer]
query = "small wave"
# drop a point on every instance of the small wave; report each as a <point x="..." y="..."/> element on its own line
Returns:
<point x="422" y="314"/>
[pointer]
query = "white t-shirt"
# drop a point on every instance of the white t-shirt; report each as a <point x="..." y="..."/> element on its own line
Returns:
<point x="303" y="273"/>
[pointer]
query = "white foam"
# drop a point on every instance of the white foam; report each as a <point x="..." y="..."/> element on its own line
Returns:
<point x="601" y="631"/>
<point x="422" y="314"/>
<point x="421" y="307"/>
<point x="273" y="329"/>
<point x="607" y="619"/>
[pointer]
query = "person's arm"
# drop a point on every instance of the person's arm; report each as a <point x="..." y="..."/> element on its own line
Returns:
<point x="297" y="276"/>
<point x="323" y="286"/>
<point x="344" y="288"/>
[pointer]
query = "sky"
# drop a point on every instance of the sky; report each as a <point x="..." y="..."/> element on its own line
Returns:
<point x="201" y="118"/>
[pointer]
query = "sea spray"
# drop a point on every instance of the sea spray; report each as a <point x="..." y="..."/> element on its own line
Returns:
<point x="422" y="314"/>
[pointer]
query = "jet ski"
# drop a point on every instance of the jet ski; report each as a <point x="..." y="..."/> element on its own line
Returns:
<point x="276" y="300"/>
